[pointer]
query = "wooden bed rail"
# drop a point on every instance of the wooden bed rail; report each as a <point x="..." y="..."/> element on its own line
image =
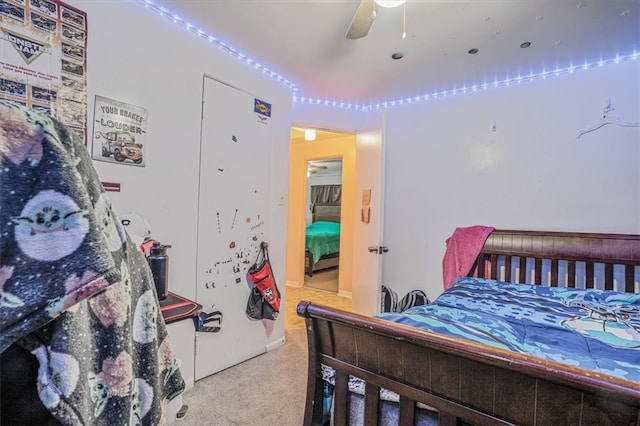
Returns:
<point x="460" y="379"/>
<point x="587" y="250"/>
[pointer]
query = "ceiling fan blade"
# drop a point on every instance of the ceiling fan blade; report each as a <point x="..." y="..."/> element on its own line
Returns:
<point x="362" y="20"/>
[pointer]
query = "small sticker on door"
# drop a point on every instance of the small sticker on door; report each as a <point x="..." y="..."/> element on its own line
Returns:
<point x="261" y="107"/>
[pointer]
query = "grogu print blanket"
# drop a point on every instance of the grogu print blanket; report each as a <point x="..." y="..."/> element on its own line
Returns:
<point x="74" y="290"/>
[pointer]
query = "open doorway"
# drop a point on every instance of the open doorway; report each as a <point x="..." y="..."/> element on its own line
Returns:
<point x="333" y="150"/>
<point x="322" y="232"/>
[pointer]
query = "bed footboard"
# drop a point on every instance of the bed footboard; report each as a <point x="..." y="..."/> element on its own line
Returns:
<point x="460" y="379"/>
<point x="327" y="261"/>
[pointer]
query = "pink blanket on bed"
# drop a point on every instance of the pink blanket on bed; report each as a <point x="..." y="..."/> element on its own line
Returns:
<point x="463" y="246"/>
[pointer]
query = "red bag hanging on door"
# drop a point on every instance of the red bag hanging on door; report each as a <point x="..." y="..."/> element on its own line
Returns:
<point x="261" y="275"/>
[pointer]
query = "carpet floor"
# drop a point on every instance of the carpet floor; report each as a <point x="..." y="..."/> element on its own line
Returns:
<point x="269" y="389"/>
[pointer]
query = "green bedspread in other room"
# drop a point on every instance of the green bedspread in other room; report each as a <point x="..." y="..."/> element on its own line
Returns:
<point x="322" y="238"/>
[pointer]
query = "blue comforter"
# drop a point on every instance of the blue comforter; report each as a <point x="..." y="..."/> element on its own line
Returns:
<point x="592" y="329"/>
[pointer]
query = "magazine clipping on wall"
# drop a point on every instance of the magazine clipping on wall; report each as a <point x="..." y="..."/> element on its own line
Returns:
<point x="119" y="132"/>
<point x="43" y="59"/>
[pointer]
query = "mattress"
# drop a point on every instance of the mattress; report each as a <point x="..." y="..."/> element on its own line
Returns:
<point x="322" y="238"/>
<point x="593" y="329"/>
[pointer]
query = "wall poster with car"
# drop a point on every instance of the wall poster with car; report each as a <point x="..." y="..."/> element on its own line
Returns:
<point x="119" y="132"/>
<point x="43" y="59"/>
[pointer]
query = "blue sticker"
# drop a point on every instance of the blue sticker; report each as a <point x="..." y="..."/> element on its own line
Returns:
<point x="262" y="107"/>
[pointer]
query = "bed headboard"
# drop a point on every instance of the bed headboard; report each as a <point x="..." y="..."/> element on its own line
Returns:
<point x="326" y="212"/>
<point x="542" y="257"/>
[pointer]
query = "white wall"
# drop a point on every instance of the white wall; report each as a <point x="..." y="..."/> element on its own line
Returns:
<point x="330" y="178"/>
<point x="443" y="161"/>
<point x="326" y="117"/>
<point x="446" y="168"/>
<point x="321" y="178"/>
<point x="136" y="56"/>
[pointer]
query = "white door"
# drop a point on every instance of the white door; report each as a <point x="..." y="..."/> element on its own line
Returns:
<point x="368" y="244"/>
<point x="233" y="211"/>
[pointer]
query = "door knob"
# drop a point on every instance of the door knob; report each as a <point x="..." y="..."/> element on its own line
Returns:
<point x="378" y="249"/>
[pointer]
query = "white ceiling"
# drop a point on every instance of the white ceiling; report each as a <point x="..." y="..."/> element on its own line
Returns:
<point x="304" y="41"/>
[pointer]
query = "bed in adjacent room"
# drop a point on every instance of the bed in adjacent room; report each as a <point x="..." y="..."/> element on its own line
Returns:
<point x="544" y="330"/>
<point x="322" y="239"/>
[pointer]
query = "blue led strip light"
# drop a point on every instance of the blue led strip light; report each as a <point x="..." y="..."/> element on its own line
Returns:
<point x="382" y="104"/>
<point x="164" y="12"/>
<point x="465" y="89"/>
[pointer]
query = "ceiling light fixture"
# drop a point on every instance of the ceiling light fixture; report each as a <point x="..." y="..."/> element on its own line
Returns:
<point x="390" y="3"/>
<point x="309" y="134"/>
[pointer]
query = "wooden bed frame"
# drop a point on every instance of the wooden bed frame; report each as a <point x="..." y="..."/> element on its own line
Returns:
<point x="467" y="381"/>
<point x="328" y="213"/>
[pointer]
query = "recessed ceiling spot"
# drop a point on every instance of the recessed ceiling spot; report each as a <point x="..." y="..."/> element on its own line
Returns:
<point x="525" y="44"/>
<point x="473" y="51"/>
<point x="397" y="55"/>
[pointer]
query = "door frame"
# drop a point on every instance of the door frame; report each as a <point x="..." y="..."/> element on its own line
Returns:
<point x="341" y="147"/>
<point x="306" y="196"/>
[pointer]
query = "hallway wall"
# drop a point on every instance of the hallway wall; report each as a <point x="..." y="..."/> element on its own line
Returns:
<point x="301" y="152"/>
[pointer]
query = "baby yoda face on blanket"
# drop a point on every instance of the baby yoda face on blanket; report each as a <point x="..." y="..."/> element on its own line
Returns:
<point x="50" y="219"/>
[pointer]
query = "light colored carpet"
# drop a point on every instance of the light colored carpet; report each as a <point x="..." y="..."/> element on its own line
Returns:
<point x="269" y="389"/>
